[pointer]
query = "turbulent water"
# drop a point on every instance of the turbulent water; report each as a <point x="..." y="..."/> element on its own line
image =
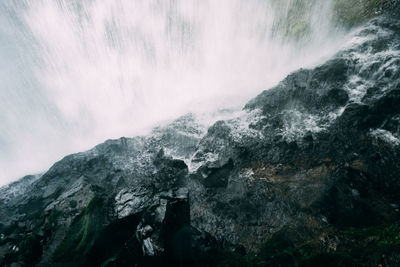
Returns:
<point x="74" y="73"/>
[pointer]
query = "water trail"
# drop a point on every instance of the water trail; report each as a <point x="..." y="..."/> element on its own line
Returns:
<point x="74" y="73"/>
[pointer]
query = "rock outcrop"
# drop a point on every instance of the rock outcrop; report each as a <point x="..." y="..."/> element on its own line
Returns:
<point x="307" y="174"/>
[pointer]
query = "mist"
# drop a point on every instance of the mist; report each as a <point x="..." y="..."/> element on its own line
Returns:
<point x="75" y="73"/>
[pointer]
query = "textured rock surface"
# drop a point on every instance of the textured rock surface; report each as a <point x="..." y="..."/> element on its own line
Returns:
<point x="306" y="174"/>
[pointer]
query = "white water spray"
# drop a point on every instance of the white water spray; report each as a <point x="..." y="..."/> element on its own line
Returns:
<point x="74" y="73"/>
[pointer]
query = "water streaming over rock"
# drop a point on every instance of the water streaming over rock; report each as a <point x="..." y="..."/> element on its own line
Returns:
<point x="74" y="73"/>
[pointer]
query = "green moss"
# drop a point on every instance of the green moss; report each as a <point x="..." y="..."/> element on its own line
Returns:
<point x="355" y="247"/>
<point x="354" y="12"/>
<point x="390" y="235"/>
<point x="351" y="13"/>
<point x="369" y="244"/>
<point x="294" y="23"/>
<point x="287" y="247"/>
<point x="82" y="233"/>
<point x="50" y="222"/>
<point x="53" y="216"/>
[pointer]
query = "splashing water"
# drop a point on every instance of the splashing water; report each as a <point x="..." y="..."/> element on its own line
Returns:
<point x="74" y="73"/>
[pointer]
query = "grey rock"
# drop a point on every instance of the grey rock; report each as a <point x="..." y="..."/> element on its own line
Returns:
<point x="301" y="154"/>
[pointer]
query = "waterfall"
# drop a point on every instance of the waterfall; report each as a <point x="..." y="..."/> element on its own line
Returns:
<point x="76" y="72"/>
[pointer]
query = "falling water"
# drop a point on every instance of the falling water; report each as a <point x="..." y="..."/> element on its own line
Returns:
<point x="76" y="72"/>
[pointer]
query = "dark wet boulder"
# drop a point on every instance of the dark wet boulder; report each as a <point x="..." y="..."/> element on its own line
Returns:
<point x="320" y="89"/>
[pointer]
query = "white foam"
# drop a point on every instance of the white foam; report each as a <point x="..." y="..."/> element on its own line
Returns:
<point x="386" y="136"/>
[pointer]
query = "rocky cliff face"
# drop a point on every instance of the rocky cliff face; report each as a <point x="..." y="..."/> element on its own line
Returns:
<point x="307" y="174"/>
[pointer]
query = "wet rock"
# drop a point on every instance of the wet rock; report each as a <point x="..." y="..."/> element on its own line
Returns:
<point x="216" y="177"/>
<point x="287" y="179"/>
<point x="129" y="202"/>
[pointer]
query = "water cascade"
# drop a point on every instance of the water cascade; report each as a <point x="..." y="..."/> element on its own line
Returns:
<point x="74" y="73"/>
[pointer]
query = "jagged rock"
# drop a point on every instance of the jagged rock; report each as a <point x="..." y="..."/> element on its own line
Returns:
<point x="128" y="202"/>
<point x="288" y="179"/>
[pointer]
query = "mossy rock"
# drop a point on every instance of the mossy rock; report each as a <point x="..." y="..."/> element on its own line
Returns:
<point x="370" y="244"/>
<point x="82" y="233"/>
<point x="294" y="22"/>
<point x="355" y="247"/>
<point x="350" y="13"/>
